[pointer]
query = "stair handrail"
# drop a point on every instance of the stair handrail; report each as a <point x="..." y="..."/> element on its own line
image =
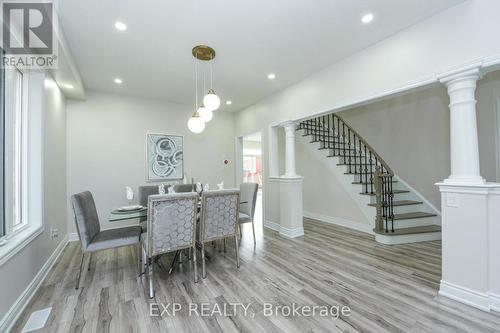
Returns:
<point x="381" y="160"/>
<point x="382" y="175"/>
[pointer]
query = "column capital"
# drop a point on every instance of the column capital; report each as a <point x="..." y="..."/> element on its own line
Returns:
<point x="288" y="125"/>
<point x="473" y="72"/>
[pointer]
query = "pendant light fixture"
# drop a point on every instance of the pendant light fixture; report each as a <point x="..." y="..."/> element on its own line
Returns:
<point x="204" y="113"/>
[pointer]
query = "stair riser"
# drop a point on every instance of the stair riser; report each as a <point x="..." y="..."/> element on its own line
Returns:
<point x="414" y="222"/>
<point x="346" y="160"/>
<point x="408" y="209"/>
<point x="397" y="196"/>
<point x="405" y="239"/>
<point x="367" y="188"/>
<point x="359" y="177"/>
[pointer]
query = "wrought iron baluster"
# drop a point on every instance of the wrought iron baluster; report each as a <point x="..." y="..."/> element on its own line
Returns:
<point x="344" y="141"/>
<point x="366" y="170"/>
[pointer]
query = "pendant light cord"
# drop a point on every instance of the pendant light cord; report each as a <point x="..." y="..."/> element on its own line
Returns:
<point x="196" y="84"/>
<point x="211" y="78"/>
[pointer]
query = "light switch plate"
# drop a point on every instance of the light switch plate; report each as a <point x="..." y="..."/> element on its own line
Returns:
<point x="452" y="200"/>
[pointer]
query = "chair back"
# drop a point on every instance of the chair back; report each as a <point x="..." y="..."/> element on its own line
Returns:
<point x="86" y="218"/>
<point x="219" y="214"/>
<point x="171" y="222"/>
<point x="145" y="191"/>
<point x="248" y="193"/>
<point x="183" y="188"/>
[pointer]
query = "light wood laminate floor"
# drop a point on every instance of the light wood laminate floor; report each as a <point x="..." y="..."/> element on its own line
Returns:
<point x="388" y="288"/>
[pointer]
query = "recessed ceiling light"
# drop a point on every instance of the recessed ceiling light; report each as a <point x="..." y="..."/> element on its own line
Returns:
<point x="229" y="102"/>
<point x="68" y="86"/>
<point x="367" y="18"/>
<point x="271" y="76"/>
<point x="118" y="81"/>
<point x="120" y="26"/>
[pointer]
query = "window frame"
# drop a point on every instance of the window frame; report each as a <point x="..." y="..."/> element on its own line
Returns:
<point x="11" y="228"/>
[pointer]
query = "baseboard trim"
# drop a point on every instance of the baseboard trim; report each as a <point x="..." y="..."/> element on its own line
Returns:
<point x="465" y="295"/>
<point x="23" y="300"/>
<point x="272" y="225"/>
<point x="291" y="232"/>
<point x="494" y="302"/>
<point x="73" y="237"/>
<point x="340" y="222"/>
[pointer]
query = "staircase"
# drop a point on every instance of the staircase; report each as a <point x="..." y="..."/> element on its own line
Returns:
<point x="400" y="214"/>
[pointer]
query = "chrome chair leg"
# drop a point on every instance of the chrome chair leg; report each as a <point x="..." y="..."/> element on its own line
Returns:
<point x="237" y="251"/>
<point x="150" y="270"/>
<point x="139" y="258"/>
<point x="224" y="245"/>
<point x="203" y="268"/>
<point x="80" y="271"/>
<point x="90" y="261"/>
<point x="239" y="227"/>
<point x="172" y="265"/>
<point x="253" y="228"/>
<point x="195" y="264"/>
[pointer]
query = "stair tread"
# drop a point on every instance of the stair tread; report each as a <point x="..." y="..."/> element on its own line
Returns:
<point x="358" y="173"/>
<point x="393" y="191"/>
<point x="409" y="231"/>
<point x="401" y="203"/>
<point x="413" y="215"/>
<point x="365" y="183"/>
<point x="353" y="164"/>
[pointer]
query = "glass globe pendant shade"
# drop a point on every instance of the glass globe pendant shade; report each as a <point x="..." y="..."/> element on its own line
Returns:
<point x="205" y="113"/>
<point x="211" y="100"/>
<point x="196" y="124"/>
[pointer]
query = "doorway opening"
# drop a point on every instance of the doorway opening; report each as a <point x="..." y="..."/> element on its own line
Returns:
<point x="251" y="172"/>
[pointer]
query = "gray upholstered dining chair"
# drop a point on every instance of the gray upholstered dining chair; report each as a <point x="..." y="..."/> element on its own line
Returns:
<point x="219" y="218"/>
<point x="171" y="228"/>
<point x="183" y="188"/>
<point x="92" y="239"/>
<point x="144" y="192"/>
<point x="248" y="193"/>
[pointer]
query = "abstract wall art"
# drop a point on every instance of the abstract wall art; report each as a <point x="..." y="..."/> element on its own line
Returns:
<point x="164" y="157"/>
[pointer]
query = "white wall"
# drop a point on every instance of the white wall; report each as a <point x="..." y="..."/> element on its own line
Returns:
<point x="413" y="57"/>
<point x="106" y="147"/>
<point x="324" y="195"/>
<point x="17" y="273"/>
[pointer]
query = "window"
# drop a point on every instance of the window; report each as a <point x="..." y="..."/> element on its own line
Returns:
<point x="15" y="152"/>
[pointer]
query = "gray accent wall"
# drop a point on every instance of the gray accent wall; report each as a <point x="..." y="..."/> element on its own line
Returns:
<point x="412" y="133"/>
<point x="106" y="147"/>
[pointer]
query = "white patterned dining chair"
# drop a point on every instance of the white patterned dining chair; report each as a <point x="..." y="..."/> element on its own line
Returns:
<point x="219" y="218"/>
<point x="171" y="228"/>
<point x="248" y="192"/>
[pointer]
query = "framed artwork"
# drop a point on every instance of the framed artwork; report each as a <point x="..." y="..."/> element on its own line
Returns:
<point x="164" y="157"/>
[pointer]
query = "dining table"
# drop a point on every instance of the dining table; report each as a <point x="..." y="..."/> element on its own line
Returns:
<point x="120" y="215"/>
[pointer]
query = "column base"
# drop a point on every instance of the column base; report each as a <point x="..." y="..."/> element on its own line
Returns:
<point x="291" y="208"/>
<point x="464" y="180"/>
<point x="470" y="242"/>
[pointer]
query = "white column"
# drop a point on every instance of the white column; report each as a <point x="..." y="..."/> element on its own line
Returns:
<point x="291" y="209"/>
<point x="289" y="127"/>
<point x="464" y="150"/>
<point x="469" y="213"/>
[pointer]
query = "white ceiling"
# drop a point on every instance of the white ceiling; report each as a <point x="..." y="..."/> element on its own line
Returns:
<point x="292" y="38"/>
